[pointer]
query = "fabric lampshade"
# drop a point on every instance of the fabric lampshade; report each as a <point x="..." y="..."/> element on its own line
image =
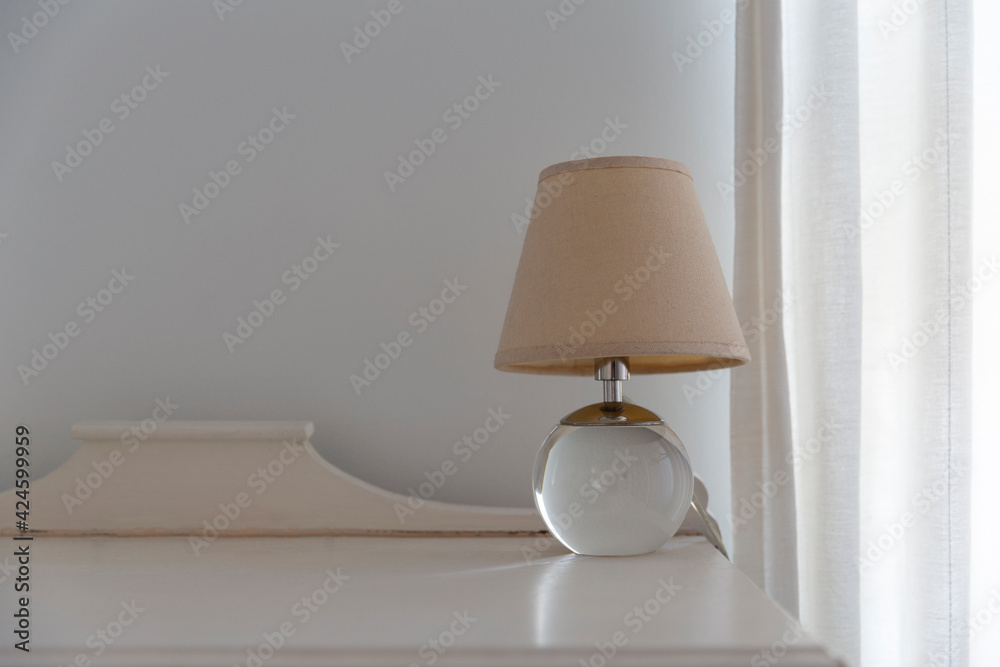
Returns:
<point x="618" y="262"/>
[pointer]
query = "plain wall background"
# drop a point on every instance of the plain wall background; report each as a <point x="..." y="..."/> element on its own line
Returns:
<point x="323" y="175"/>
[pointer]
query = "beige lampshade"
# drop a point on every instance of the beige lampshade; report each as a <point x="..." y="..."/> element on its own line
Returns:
<point x="618" y="262"/>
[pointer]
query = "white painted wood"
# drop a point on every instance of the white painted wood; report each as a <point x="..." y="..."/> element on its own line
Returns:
<point x="207" y="597"/>
<point x="101" y="430"/>
<point x="549" y="608"/>
<point x="136" y="478"/>
<point x="185" y="477"/>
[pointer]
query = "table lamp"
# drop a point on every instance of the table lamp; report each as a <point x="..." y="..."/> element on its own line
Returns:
<point x="617" y="275"/>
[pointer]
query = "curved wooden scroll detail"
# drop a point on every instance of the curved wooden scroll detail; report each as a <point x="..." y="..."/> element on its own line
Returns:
<point x="233" y="478"/>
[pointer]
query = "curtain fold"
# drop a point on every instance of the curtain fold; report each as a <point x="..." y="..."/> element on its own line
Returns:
<point x="863" y="382"/>
<point x="820" y="195"/>
<point x="763" y="475"/>
<point x="915" y="155"/>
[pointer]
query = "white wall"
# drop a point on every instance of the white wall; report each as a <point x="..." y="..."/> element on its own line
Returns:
<point x="162" y="336"/>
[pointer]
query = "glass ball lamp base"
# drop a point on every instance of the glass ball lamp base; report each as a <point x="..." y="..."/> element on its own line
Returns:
<point x="612" y="479"/>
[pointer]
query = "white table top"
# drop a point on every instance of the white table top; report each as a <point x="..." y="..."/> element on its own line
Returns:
<point x="398" y="594"/>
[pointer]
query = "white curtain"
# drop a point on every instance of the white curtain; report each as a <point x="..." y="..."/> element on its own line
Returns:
<point x="852" y="426"/>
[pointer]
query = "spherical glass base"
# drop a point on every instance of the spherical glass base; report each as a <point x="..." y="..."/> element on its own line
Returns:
<point x="613" y="490"/>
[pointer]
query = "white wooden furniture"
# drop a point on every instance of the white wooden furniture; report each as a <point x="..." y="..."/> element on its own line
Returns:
<point x="319" y="565"/>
